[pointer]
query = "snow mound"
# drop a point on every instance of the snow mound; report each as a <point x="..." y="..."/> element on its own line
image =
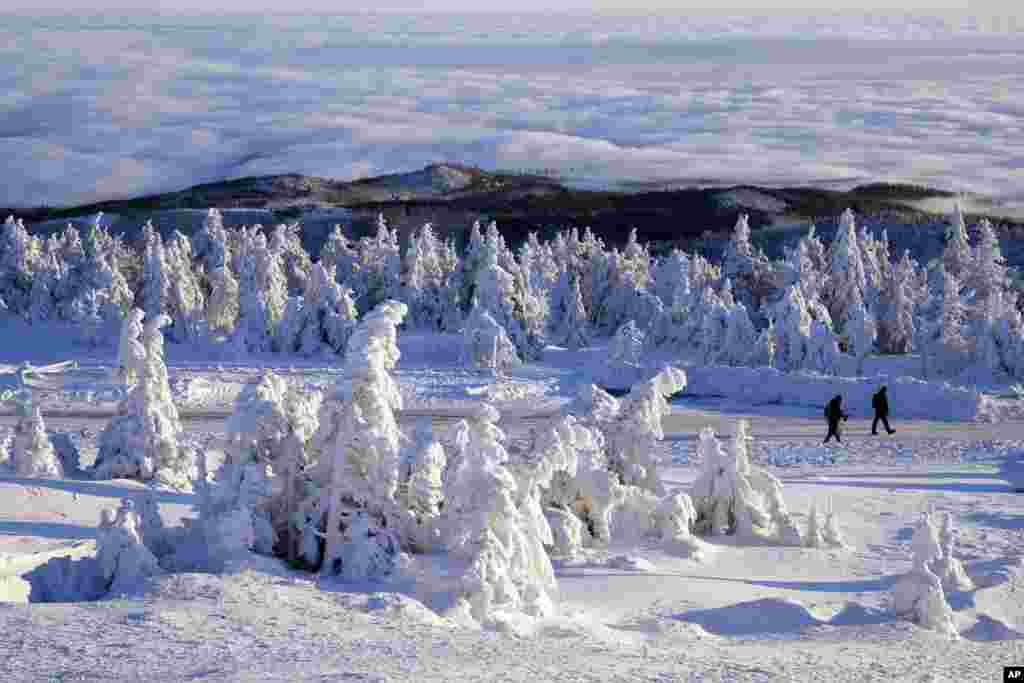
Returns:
<point x="758" y="618"/>
<point x="631" y="563"/>
<point x="987" y="629"/>
<point x="404" y="609"/>
<point x="908" y="397"/>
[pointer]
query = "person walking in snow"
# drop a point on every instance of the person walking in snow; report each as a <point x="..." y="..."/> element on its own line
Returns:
<point x="834" y="413"/>
<point x="880" y="403"/>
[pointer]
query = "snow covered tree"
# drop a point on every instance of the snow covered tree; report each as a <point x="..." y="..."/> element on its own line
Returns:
<point x="338" y="253"/>
<point x="131" y="354"/>
<point x="18" y="255"/>
<point x="142" y="440"/>
<point x="988" y="273"/>
<point x="486" y="344"/>
<point x="569" y="326"/>
<point x="185" y="299"/>
<point x="223" y="303"/>
<point x="286" y="244"/>
<point x="263" y="294"/>
<point x="918" y="594"/>
<point x="957" y="256"/>
<point x="211" y="245"/>
<point x="792" y="326"/>
<point x="861" y="332"/>
<point x="322" y="320"/>
<point x="731" y="496"/>
<point x="897" y="328"/>
<point x="359" y="444"/>
<point x="421" y="489"/>
<point x="634" y="439"/>
<point x="32" y="454"/>
<point x="378" y="277"/>
<point x="508" y="568"/>
<point x="123" y="560"/>
<point x="847" y="282"/>
<point x="156" y="278"/>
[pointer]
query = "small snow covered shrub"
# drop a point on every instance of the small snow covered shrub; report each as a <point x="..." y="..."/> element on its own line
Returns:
<point x="918" y="595"/>
<point x="486" y="344"/>
<point x="141" y="441"/>
<point x="732" y="496"/>
<point x="948" y="568"/>
<point x="33" y="454"/>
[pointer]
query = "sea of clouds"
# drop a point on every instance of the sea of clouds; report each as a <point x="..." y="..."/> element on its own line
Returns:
<point x="112" y="106"/>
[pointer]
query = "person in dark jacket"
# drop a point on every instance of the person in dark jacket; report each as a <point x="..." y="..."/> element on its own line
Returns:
<point x="880" y="403"/>
<point x="834" y="413"/>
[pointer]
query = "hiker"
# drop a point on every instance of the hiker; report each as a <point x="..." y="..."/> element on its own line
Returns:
<point x="880" y="403"/>
<point x="834" y="413"/>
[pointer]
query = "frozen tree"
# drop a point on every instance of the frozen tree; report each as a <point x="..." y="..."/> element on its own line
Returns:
<point x="141" y="441"/>
<point x="739" y="341"/>
<point x="896" y="327"/>
<point x="286" y="244"/>
<point x="947" y="567"/>
<point x="359" y="444"/>
<point x="264" y="453"/>
<point x="185" y="298"/>
<point x="956" y="256"/>
<point x="792" y="326"/>
<point x="422" y="488"/>
<point x="486" y="344"/>
<point x="815" y="536"/>
<point x="861" y="332"/>
<point x="18" y="255"/>
<point x="210" y="245"/>
<point x="988" y="274"/>
<point x="634" y="438"/>
<point x="338" y="253"/>
<point x="156" y="278"/>
<point x="568" y="322"/>
<point x="847" y="282"/>
<point x="131" y="354"/>
<point x="423" y="280"/>
<point x="738" y="258"/>
<point x="263" y="294"/>
<point x="669" y="274"/>
<point x="626" y="345"/>
<point x="222" y="306"/>
<point x="508" y="568"/>
<point x="943" y="342"/>
<point x="806" y="267"/>
<point x="918" y="594"/>
<point x="731" y="496"/>
<point x="122" y="558"/>
<point x="378" y="276"/>
<point x="32" y="454"/>
<point x="322" y="320"/>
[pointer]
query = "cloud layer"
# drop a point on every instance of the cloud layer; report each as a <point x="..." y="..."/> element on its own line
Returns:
<point x="117" y="106"/>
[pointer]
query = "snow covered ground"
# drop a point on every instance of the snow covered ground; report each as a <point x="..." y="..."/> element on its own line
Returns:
<point x="631" y="612"/>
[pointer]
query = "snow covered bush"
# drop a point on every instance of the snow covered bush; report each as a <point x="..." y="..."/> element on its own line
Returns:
<point x="731" y="496"/>
<point x="141" y="441"/>
<point x="32" y="454"/>
<point x="823" y="534"/>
